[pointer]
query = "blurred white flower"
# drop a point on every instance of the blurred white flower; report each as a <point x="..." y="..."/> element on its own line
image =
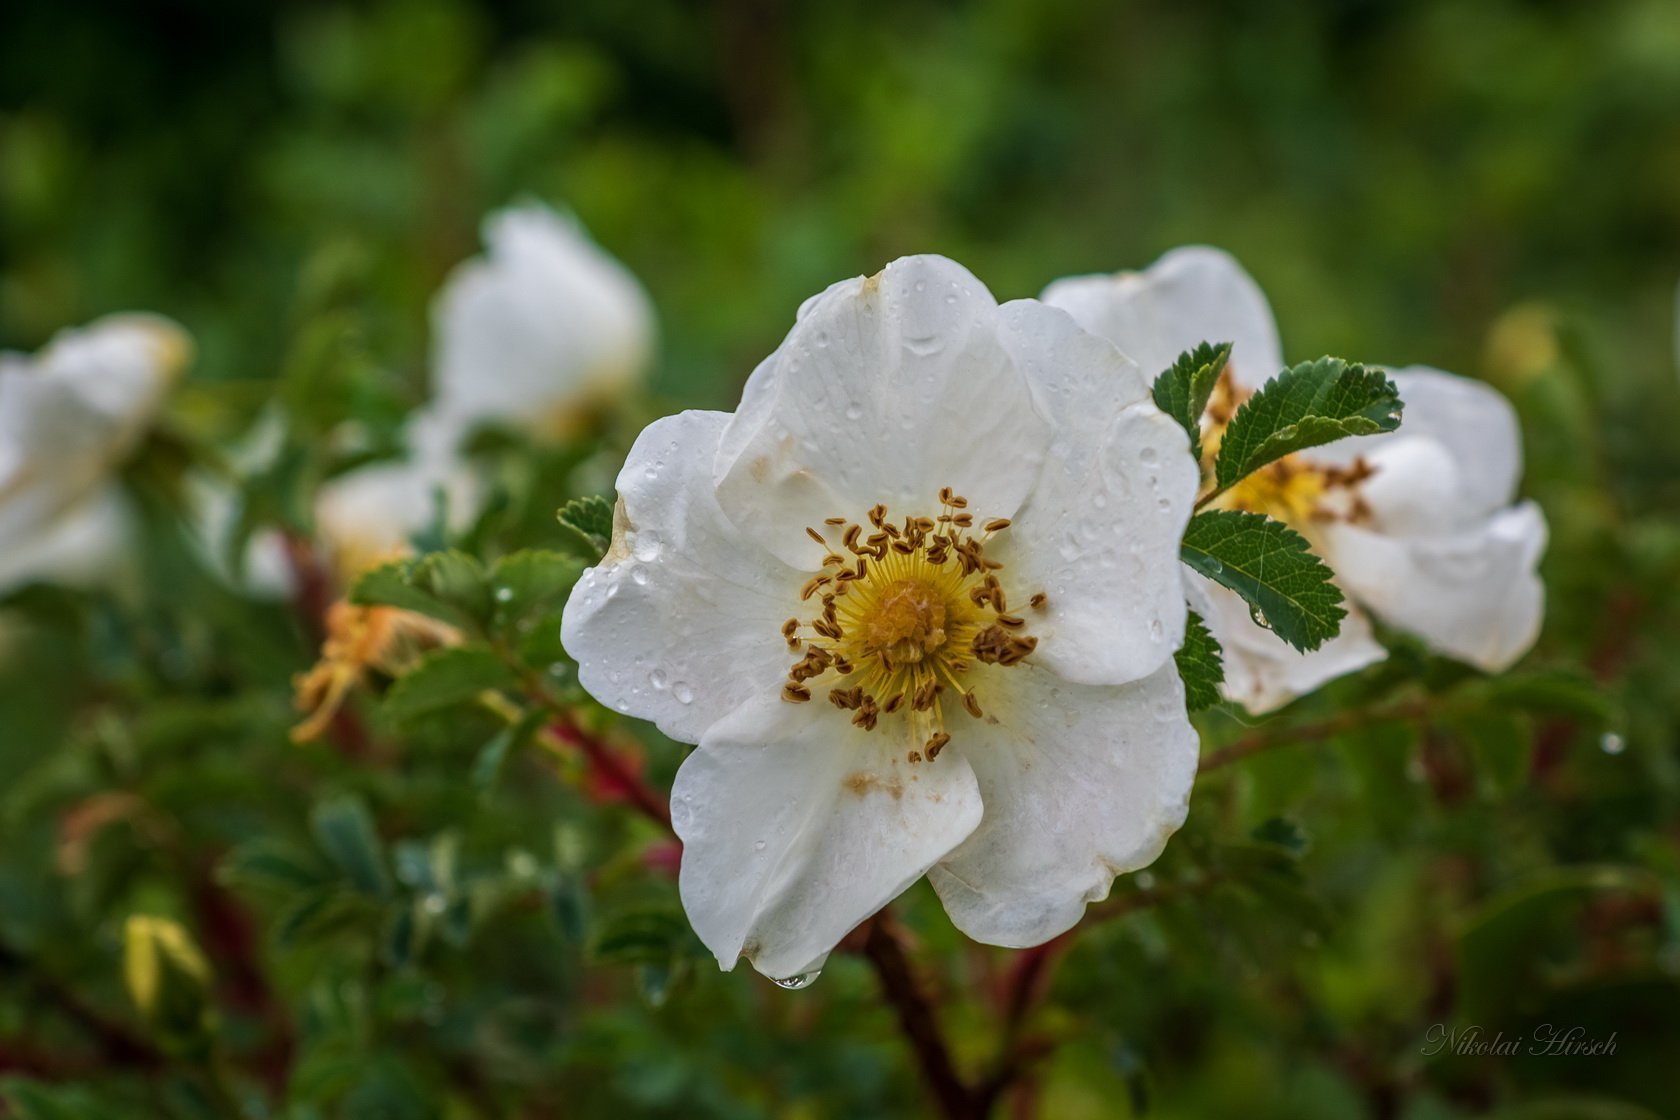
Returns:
<point x="540" y="329"/>
<point x="69" y="416"/>
<point x="370" y="514"/>
<point x="1417" y="524"/>
<point x="916" y="600"/>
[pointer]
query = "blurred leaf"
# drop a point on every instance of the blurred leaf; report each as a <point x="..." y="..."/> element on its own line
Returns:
<point x="640" y="936"/>
<point x="456" y="580"/>
<point x="590" y="518"/>
<point x="1182" y="391"/>
<point x="1200" y="665"/>
<point x="445" y="678"/>
<point x="1559" y="692"/>
<point x="531" y="582"/>
<point x="267" y="863"/>
<point x="1287" y="588"/>
<point x="344" y="829"/>
<point x="1283" y="833"/>
<point x="1307" y="405"/>
<point x="394" y="585"/>
<point x="488" y="765"/>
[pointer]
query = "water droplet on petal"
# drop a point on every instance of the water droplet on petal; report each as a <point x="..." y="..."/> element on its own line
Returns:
<point x="1157" y="629"/>
<point x="794" y="983"/>
<point x="1612" y="743"/>
<point x="683" y="693"/>
<point x="759" y="846"/>
<point x="658" y="679"/>
<point x="639" y="575"/>
<point x="1148" y="456"/>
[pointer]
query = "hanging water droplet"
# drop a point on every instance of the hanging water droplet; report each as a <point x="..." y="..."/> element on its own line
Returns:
<point x="794" y="983"/>
<point x="658" y="679"/>
<point x="1258" y="618"/>
<point x="1611" y="743"/>
<point x="503" y="594"/>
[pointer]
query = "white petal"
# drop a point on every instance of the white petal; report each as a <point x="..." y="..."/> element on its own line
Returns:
<point x="542" y="323"/>
<point x="85" y="545"/>
<point x="886" y="390"/>
<point x="1100" y="533"/>
<point x="1472" y="422"/>
<point x="1191" y="295"/>
<point x="1080" y="784"/>
<point x="681" y="621"/>
<point x="797" y="826"/>
<point x="1474" y="594"/>
<point x="1262" y="671"/>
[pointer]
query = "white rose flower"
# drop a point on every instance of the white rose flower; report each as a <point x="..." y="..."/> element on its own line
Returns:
<point x="539" y="329"/>
<point x="916" y="600"/>
<point x="69" y="416"/>
<point x="1418" y="524"/>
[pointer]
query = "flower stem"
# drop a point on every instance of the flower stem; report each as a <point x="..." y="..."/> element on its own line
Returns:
<point x="883" y="947"/>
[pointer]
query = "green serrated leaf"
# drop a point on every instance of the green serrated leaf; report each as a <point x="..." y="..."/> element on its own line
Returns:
<point x="590" y="518"/>
<point x="645" y="936"/>
<point x="528" y="583"/>
<point x="456" y="580"/>
<point x="1200" y="665"/>
<point x="343" y="828"/>
<point x="1289" y="590"/>
<point x="445" y="678"/>
<point x="1182" y="391"/>
<point x="1307" y="405"/>
<point x="395" y="585"/>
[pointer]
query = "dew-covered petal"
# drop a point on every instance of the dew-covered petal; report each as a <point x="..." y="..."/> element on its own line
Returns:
<point x="1262" y="671"/>
<point x="887" y="389"/>
<point x="797" y="826"/>
<point x="1472" y="422"/>
<point x="1191" y="295"/>
<point x="681" y="621"/>
<point x="1474" y="594"/>
<point x="1080" y="783"/>
<point x="1099" y="535"/>
<point x="541" y="324"/>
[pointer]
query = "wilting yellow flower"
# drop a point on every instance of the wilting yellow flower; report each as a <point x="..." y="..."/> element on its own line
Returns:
<point x="167" y="977"/>
<point x="361" y="640"/>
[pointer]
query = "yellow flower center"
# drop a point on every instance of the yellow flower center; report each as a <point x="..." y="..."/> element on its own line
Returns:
<point x="908" y="610"/>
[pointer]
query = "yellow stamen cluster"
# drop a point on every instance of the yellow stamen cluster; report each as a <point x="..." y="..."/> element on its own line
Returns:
<point x="1293" y="490"/>
<point x="907" y="611"/>
<point x="359" y="640"/>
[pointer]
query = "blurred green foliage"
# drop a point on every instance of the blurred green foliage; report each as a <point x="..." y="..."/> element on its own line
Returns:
<point x="441" y="917"/>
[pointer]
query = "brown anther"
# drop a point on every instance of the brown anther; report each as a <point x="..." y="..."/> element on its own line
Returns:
<point x="1010" y="620"/>
<point x="832" y="560"/>
<point x="913" y="756"/>
<point x="958" y="502"/>
<point x="877" y="515"/>
<point x="862" y="568"/>
<point x="795" y="693"/>
<point x="893" y="704"/>
<point x="935" y="744"/>
<point x="925" y="524"/>
<point x="923" y="700"/>
<point x="945" y="495"/>
<point x="851" y="538"/>
<point x="834" y="521"/>
<point x="1039" y="601"/>
<point x="904" y="547"/>
<point x="999" y="604"/>
<point x="963" y="520"/>
<point x="790" y="628"/>
<point x="816" y="536"/>
<point x="889" y="529"/>
<point x="996" y="525"/>
<point x="972" y="704"/>
<point x="812" y="586"/>
<point x="848" y="699"/>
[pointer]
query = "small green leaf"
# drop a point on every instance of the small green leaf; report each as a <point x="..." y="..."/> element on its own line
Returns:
<point x="344" y="829"/>
<point x="457" y="580"/>
<point x="445" y="678"/>
<point x="266" y="863"/>
<point x="590" y="518"/>
<point x="528" y="583"/>
<point x="1182" y="391"/>
<point x="1287" y="588"/>
<point x="1281" y="832"/>
<point x="1307" y="405"/>
<point x="644" y="935"/>
<point x="1200" y="665"/>
<point x="395" y="585"/>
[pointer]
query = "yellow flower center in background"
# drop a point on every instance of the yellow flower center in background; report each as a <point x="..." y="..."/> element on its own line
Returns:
<point x="907" y="612"/>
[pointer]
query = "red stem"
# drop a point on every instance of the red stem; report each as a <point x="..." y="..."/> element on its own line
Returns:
<point x="609" y="765"/>
<point x="884" y="949"/>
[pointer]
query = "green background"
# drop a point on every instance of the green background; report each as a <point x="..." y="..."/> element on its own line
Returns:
<point x="1491" y="188"/>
